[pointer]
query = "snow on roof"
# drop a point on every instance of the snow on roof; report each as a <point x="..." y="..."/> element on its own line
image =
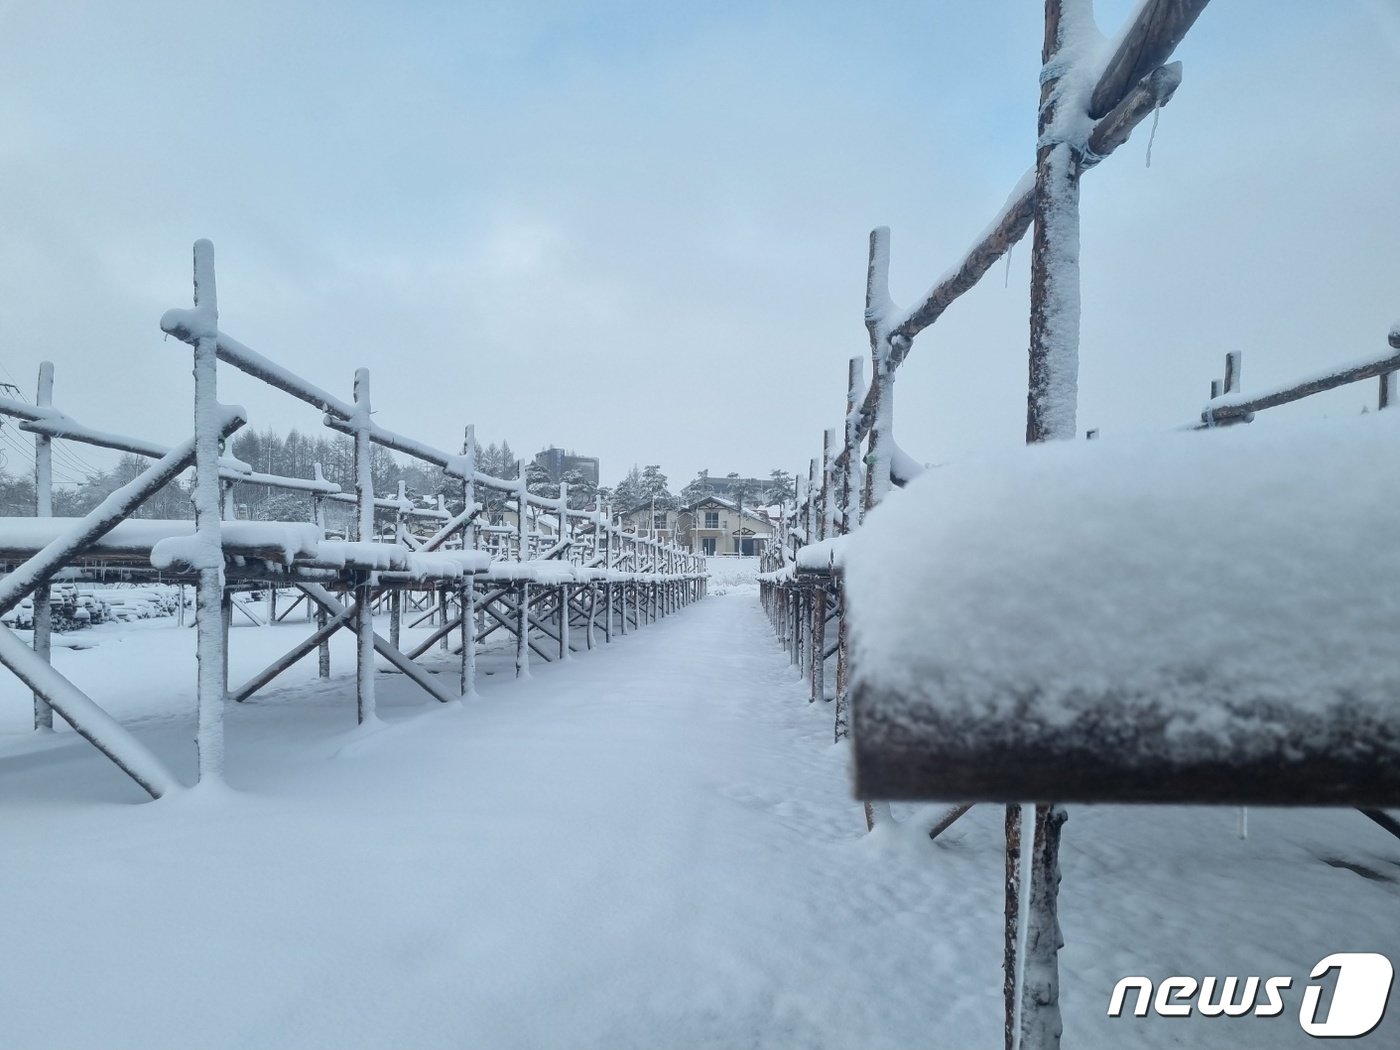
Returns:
<point x="1212" y="586"/>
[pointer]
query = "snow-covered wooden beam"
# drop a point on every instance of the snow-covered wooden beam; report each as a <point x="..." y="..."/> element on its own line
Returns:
<point x="178" y="323"/>
<point x="1152" y="92"/>
<point x="1261" y="670"/>
<point x="1239" y="407"/>
<point x="48" y="422"/>
<point x="1147" y="42"/>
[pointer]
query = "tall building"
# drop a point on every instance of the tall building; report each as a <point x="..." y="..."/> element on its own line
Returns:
<point x="558" y="463"/>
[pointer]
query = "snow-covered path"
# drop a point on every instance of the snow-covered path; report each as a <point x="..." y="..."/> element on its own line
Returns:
<point x="653" y="847"/>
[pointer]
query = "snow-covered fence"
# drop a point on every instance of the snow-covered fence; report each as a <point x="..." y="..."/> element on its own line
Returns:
<point x="1068" y="628"/>
<point x="556" y="579"/>
<point x="1091" y="99"/>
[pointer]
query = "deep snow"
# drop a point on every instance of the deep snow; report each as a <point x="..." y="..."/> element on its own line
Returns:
<point x="653" y="846"/>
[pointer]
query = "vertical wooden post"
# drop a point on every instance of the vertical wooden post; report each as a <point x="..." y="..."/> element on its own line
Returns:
<point x="211" y="643"/>
<point x="43" y="508"/>
<point x="1040" y="973"/>
<point x="625" y="585"/>
<point x="852" y="483"/>
<point x="1388" y="393"/>
<point x="1051" y="409"/>
<point x="592" y="613"/>
<point x="468" y="632"/>
<point x="1011" y="945"/>
<point x="522" y="640"/>
<point x="877" y="310"/>
<point x="323" y="656"/>
<point x="395" y="615"/>
<point x="564" y="653"/>
<point x="828" y="493"/>
<point x="323" y="651"/>
<point x="609" y="562"/>
<point x="846" y="518"/>
<point x="1051" y="400"/>
<point x="1233" y="361"/>
<point x="365" y="706"/>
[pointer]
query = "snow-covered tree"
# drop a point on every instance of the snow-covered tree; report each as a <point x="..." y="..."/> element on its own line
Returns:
<point x="628" y="492"/>
<point x="781" y="488"/>
<point x="654" y="488"/>
<point x="582" y="492"/>
<point x="538" y="481"/>
<point x="696" y="489"/>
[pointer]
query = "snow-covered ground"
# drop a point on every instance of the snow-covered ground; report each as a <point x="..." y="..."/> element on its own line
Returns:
<point x="652" y="847"/>
<point x="726" y="571"/>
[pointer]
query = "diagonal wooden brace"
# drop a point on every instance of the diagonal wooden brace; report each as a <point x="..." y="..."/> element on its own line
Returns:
<point x="282" y="663"/>
<point x="44" y="565"/>
<point x="422" y="678"/>
<point x="92" y="723"/>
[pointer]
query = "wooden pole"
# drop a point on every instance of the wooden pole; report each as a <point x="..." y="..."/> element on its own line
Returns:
<point x="522" y="639"/>
<point x="468" y="676"/>
<point x="878" y="311"/>
<point x="948" y="819"/>
<point x="289" y="658"/>
<point x="563" y="527"/>
<point x="1051" y="409"/>
<point x="211" y="645"/>
<point x="1040" y="972"/>
<point x="1054" y="341"/>
<point x="1156" y="30"/>
<point x="1011" y="943"/>
<point x="43" y="508"/>
<point x="365" y="700"/>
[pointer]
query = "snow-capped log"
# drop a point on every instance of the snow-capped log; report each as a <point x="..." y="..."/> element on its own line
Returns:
<point x="1187" y="617"/>
<point x="1144" y="44"/>
<point x="1236" y="406"/>
<point x="1151" y="93"/>
<point x="44" y="421"/>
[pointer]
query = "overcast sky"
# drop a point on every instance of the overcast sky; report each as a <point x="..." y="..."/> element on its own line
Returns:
<point x="639" y="230"/>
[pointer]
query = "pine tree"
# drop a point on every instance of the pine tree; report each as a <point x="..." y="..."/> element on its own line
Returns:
<point x="696" y="489"/>
<point x="781" y="488"/>
<point x="654" y="490"/>
<point x="538" y="481"/>
<point x="627" y="494"/>
<point x="582" y="492"/>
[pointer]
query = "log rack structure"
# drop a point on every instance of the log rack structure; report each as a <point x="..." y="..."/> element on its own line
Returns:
<point x="555" y="590"/>
<point x="802" y="587"/>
